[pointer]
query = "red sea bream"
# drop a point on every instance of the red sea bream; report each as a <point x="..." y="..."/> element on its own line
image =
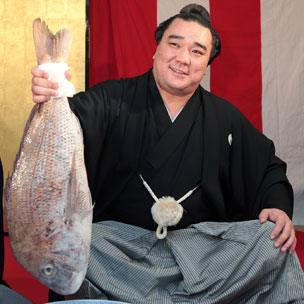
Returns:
<point x="48" y="200"/>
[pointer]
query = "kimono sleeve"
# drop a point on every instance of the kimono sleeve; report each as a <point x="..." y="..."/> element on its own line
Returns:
<point x="262" y="174"/>
<point x="96" y="110"/>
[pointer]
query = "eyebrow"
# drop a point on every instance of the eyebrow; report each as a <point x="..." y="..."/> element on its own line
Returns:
<point x="182" y="37"/>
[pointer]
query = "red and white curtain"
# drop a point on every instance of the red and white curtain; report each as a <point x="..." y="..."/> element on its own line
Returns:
<point x="260" y="69"/>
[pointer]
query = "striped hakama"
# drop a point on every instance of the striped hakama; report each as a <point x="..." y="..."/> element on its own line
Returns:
<point x="209" y="262"/>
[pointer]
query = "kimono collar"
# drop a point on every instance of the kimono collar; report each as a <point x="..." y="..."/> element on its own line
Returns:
<point x="177" y="131"/>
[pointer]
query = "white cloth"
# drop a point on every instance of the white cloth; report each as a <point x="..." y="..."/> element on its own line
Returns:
<point x="56" y="71"/>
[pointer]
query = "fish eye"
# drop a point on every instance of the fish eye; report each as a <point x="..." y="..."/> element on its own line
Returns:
<point x="48" y="270"/>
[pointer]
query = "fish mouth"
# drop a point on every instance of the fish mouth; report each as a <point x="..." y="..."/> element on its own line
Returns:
<point x="67" y="286"/>
<point x="178" y="70"/>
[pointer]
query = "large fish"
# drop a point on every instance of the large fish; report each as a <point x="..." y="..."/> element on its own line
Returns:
<point x="48" y="201"/>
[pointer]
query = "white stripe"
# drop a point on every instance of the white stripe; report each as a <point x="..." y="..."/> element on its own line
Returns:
<point x="283" y="87"/>
<point x="166" y="9"/>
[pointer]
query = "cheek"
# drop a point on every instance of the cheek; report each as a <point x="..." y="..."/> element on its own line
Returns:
<point x="164" y="54"/>
<point x="160" y="57"/>
<point x="200" y="68"/>
<point x="160" y="62"/>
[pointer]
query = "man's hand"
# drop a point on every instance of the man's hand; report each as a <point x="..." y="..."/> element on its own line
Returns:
<point x="283" y="233"/>
<point x="42" y="88"/>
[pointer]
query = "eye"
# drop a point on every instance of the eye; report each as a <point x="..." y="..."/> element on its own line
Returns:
<point x="173" y="44"/>
<point x="48" y="270"/>
<point x="198" y="52"/>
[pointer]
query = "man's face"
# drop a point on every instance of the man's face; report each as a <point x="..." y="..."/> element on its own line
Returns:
<point x="182" y="56"/>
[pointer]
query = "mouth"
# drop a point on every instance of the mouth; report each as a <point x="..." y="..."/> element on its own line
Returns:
<point x="178" y="71"/>
<point x="66" y="285"/>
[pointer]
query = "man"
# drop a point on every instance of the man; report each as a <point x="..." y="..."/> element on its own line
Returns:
<point x="161" y="134"/>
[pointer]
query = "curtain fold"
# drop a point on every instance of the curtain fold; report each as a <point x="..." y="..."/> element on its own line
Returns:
<point x="121" y="38"/>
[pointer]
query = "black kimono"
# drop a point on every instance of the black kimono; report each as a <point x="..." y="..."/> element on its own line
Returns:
<point x="127" y="132"/>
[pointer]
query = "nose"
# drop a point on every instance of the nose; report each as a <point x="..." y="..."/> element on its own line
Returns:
<point x="183" y="56"/>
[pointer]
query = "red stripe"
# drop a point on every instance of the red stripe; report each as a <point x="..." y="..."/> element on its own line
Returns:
<point x="300" y="247"/>
<point x="20" y="280"/>
<point x="121" y="38"/>
<point x="236" y="74"/>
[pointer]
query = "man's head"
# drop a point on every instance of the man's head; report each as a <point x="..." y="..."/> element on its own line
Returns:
<point x="196" y="13"/>
<point x="187" y="43"/>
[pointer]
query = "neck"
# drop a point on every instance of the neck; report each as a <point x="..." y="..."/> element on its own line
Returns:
<point x="173" y="103"/>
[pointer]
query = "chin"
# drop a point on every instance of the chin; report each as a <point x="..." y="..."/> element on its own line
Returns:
<point x="186" y="88"/>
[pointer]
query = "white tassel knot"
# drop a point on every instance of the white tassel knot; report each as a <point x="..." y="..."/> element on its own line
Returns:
<point x="166" y="211"/>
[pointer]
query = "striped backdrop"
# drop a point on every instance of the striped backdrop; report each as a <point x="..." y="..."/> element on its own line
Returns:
<point x="260" y="70"/>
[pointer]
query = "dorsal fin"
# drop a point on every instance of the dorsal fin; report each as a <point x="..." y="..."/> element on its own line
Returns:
<point x="50" y="47"/>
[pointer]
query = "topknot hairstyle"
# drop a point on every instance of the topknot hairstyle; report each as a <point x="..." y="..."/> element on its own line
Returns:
<point x="197" y="13"/>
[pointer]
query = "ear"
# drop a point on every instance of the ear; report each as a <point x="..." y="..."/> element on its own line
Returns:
<point x="155" y="53"/>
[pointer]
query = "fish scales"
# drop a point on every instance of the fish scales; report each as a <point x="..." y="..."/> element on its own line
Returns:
<point x="48" y="201"/>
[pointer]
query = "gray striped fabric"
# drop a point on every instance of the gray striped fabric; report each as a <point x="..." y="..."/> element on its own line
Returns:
<point x="205" y="263"/>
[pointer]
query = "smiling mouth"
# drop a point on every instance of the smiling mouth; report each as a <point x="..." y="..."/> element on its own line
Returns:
<point x="178" y="71"/>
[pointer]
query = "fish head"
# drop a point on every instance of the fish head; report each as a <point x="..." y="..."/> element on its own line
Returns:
<point x="60" y="261"/>
<point x="61" y="272"/>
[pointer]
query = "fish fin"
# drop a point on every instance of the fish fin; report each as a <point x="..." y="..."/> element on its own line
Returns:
<point x="50" y="47"/>
<point x="43" y="39"/>
<point x="61" y="45"/>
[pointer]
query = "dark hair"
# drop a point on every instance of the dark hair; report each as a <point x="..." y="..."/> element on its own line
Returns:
<point x="197" y="13"/>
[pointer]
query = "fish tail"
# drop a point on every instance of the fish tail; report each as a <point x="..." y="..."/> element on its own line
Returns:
<point x="50" y="47"/>
<point x="43" y="38"/>
<point x="61" y="45"/>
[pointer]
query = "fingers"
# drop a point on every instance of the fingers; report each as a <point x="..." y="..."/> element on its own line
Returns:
<point x="40" y="98"/>
<point x="42" y="88"/>
<point x="290" y="244"/>
<point x="40" y="82"/>
<point x="264" y="216"/>
<point x="43" y="92"/>
<point x="293" y="246"/>
<point x="278" y="228"/>
<point x="68" y="75"/>
<point x="283" y="234"/>
<point x="36" y="72"/>
<point x="285" y="237"/>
